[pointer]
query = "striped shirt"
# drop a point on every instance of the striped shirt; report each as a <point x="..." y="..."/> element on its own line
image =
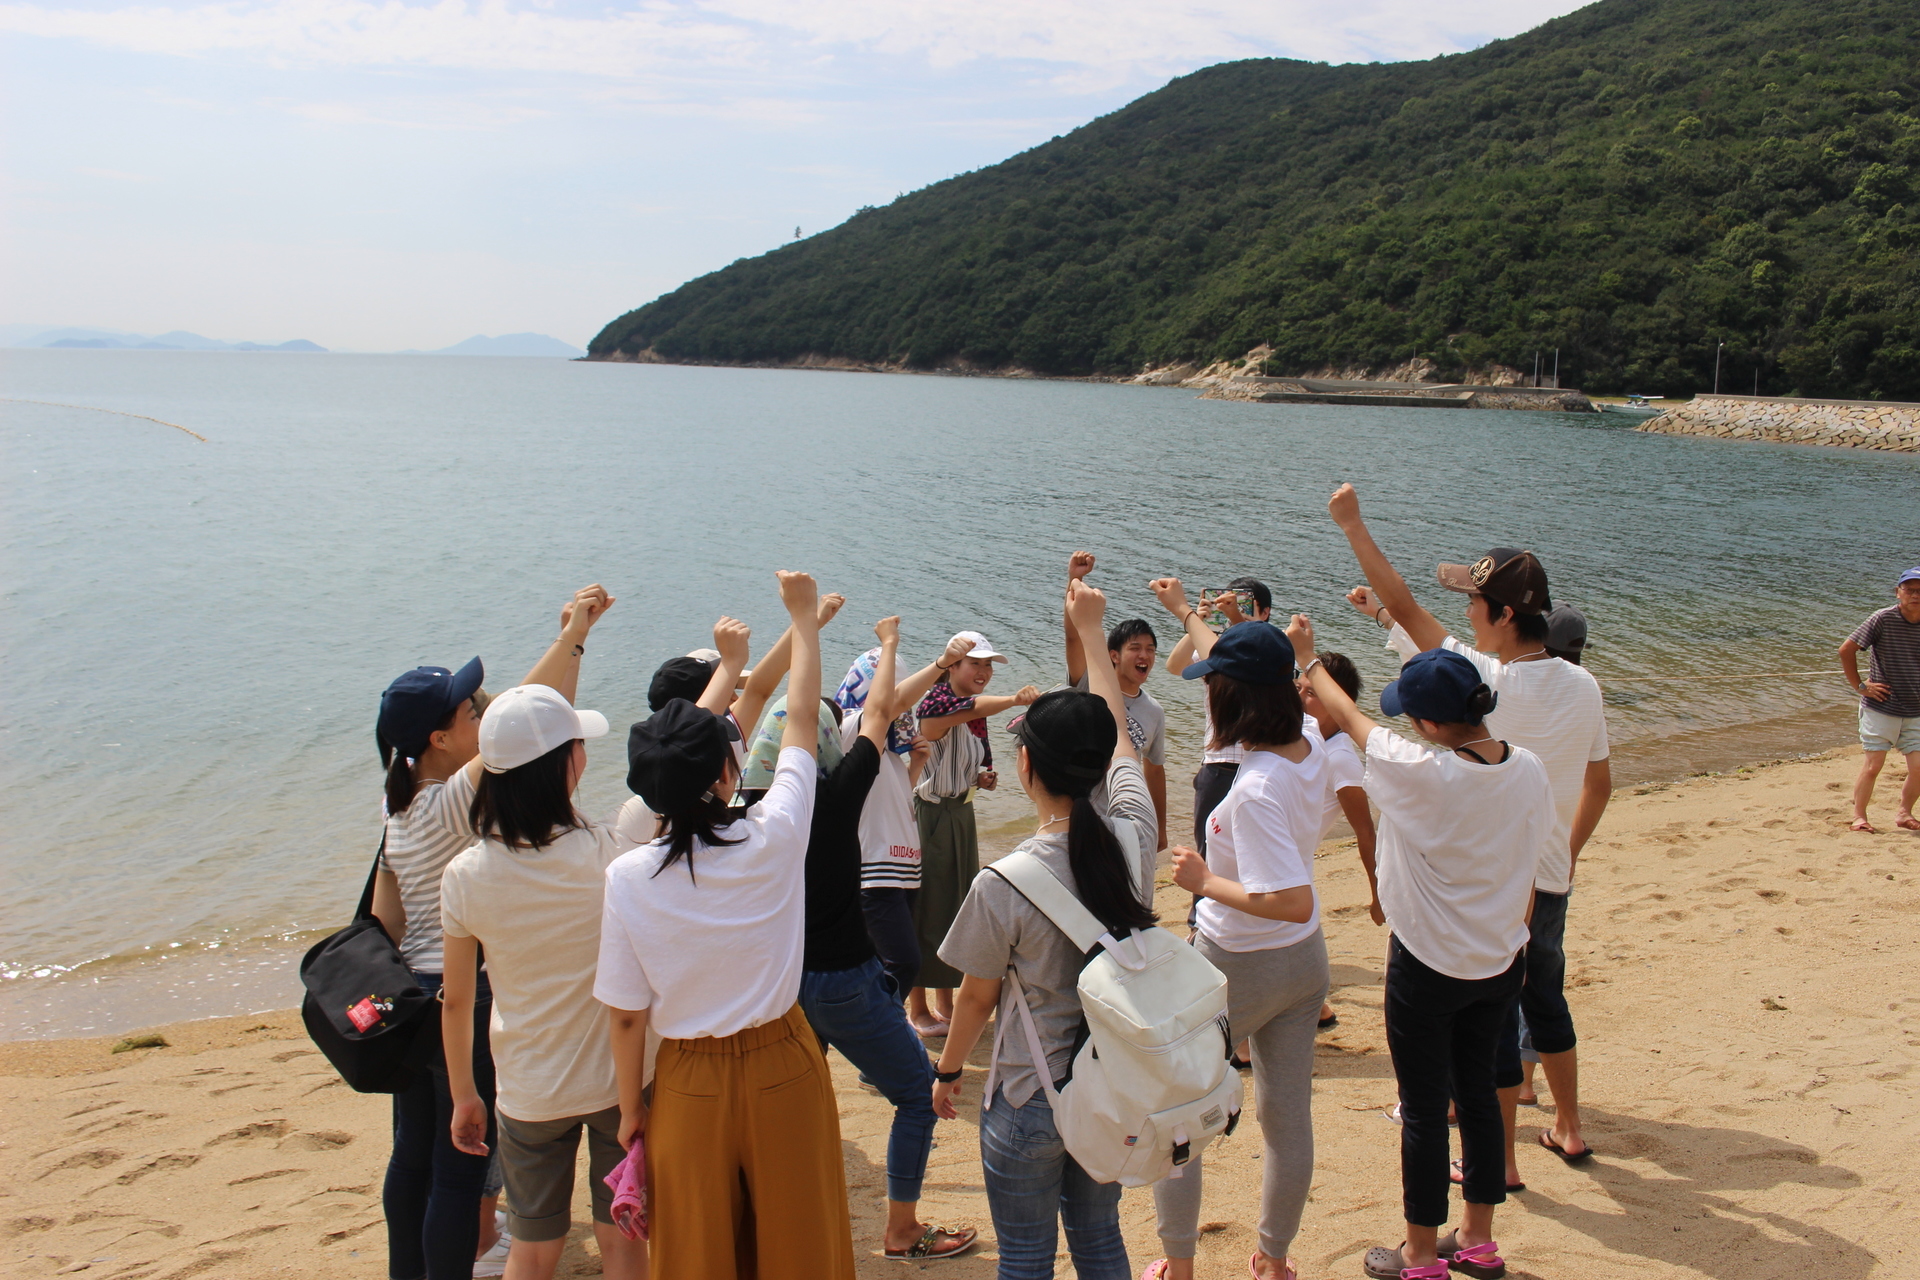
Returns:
<point x="1896" y="661"/>
<point x="953" y="766"/>
<point x="421" y="841"/>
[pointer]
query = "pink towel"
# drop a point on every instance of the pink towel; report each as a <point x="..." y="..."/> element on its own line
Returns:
<point x="629" y="1183"/>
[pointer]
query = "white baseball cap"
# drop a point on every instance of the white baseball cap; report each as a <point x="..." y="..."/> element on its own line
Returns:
<point x="981" y="649"/>
<point x="529" y="720"/>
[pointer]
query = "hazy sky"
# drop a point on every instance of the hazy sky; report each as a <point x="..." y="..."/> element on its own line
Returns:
<point x="382" y="175"/>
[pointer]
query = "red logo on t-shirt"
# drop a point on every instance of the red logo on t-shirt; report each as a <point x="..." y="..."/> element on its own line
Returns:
<point x="1213" y="825"/>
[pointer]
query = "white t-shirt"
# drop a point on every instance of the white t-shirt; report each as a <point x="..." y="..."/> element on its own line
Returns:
<point x="1348" y="769"/>
<point x="1263" y="835"/>
<point x="889" y="833"/>
<point x="532" y="909"/>
<point x="1232" y="753"/>
<point x="421" y="840"/>
<point x="1459" y="843"/>
<point x="714" y="947"/>
<point x="1552" y="708"/>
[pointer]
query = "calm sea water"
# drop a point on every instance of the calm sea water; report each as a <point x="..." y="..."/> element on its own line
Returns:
<point x="195" y="635"/>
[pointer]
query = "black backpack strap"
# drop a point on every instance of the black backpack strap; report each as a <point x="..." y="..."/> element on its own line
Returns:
<point x="365" y="908"/>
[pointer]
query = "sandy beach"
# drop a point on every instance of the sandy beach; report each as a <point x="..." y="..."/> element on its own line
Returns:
<point x="1741" y="970"/>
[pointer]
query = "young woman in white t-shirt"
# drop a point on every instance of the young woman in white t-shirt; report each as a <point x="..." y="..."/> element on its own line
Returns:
<point x="438" y="1210"/>
<point x="1258" y="921"/>
<point x="1461" y="827"/>
<point x="1348" y="800"/>
<point x="702" y="940"/>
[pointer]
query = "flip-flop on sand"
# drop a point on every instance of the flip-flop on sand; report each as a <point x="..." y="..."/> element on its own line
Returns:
<point x="1906" y="822"/>
<point x="1861" y="824"/>
<point x="1577" y="1157"/>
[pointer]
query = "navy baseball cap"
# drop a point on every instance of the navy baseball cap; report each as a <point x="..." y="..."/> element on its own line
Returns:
<point x="1436" y="685"/>
<point x="417" y="704"/>
<point x="1251" y="652"/>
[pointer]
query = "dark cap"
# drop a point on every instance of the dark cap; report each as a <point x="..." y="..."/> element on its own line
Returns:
<point x="1437" y="685"/>
<point x="1069" y="731"/>
<point x="416" y="704"/>
<point x="675" y="756"/>
<point x="1566" y="629"/>
<point x="678" y="678"/>
<point x="1513" y="578"/>
<point x="1251" y="652"/>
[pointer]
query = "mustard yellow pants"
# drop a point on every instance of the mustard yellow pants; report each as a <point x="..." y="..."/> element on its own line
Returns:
<point x="743" y="1159"/>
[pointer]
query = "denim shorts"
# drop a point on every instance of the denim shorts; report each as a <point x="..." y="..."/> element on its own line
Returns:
<point x="1882" y="732"/>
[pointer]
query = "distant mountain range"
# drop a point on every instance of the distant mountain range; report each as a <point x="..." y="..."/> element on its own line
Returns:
<point x="110" y="340"/>
<point x="32" y="335"/>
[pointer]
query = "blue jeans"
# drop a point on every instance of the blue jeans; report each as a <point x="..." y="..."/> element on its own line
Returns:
<point x="857" y="1011"/>
<point x="1034" y="1186"/>
<point x="1539" y="1020"/>
<point x="432" y="1192"/>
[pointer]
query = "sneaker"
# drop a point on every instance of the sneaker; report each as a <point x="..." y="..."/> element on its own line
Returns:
<point x="494" y="1261"/>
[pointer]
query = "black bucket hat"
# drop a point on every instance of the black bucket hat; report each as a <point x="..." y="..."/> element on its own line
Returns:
<point x="675" y="755"/>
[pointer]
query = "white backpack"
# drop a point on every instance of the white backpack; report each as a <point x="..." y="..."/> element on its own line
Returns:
<point x="1151" y="1086"/>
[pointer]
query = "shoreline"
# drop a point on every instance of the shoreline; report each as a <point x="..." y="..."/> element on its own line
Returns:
<point x="1738" y="964"/>
<point x="113" y="996"/>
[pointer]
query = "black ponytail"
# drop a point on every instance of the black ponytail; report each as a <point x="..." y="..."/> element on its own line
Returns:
<point x="1101" y="877"/>
<point x="699" y="824"/>
<point x="1479" y="704"/>
<point x="1100" y="870"/>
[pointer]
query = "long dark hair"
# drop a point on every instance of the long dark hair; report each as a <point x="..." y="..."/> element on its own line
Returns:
<point x="1243" y="712"/>
<point x="1099" y="865"/>
<point x="699" y="823"/>
<point x="526" y="806"/>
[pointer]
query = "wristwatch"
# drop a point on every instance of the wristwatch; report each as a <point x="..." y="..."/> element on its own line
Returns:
<point x="944" y="1077"/>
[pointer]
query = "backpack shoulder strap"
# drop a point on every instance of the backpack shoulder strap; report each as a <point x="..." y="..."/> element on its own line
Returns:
<point x="365" y="908"/>
<point x="1043" y="889"/>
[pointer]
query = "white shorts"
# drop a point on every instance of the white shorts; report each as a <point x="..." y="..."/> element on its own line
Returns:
<point x="1882" y="732"/>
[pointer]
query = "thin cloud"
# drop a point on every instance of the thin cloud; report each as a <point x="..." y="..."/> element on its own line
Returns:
<point x="1083" y="44"/>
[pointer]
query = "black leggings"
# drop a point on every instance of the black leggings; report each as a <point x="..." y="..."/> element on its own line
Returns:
<point x="1441" y="1030"/>
<point x="432" y="1192"/>
<point x="889" y="914"/>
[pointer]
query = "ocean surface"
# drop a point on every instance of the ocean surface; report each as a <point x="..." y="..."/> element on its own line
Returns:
<point x="194" y="634"/>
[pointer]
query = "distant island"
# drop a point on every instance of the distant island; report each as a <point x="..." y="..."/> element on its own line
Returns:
<point x="1661" y="191"/>
<point x="511" y="344"/>
<point x="177" y="340"/>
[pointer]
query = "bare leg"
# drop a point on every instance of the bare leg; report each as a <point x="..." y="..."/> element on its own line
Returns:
<point x="489" y="1229"/>
<point x="1509" y="1099"/>
<point x="1418" y="1251"/>
<point x="1563" y="1080"/>
<point x="1529" y="1096"/>
<point x="1909" y="794"/>
<point x="1870" y="762"/>
<point x="942" y="1003"/>
<point x="535" y="1259"/>
<point x="620" y="1258"/>
<point x="1476" y="1225"/>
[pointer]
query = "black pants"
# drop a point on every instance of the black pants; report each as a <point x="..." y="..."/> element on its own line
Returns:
<point x="889" y="916"/>
<point x="1210" y="787"/>
<point x="432" y="1192"/>
<point x="1443" y="1034"/>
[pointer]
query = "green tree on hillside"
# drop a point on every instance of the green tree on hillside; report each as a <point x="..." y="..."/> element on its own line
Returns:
<point x="1631" y="184"/>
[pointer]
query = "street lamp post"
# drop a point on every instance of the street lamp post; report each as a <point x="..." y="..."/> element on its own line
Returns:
<point x="1716" y="366"/>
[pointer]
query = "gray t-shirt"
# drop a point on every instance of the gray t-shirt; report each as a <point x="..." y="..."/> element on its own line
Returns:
<point x="997" y="929"/>
<point x="1146" y="724"/>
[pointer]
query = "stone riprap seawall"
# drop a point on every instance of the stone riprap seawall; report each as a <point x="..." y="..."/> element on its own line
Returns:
<point x="1845" y="424"/>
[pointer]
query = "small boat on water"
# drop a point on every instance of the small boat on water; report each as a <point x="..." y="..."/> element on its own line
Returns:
<point x="1639" y="406"/>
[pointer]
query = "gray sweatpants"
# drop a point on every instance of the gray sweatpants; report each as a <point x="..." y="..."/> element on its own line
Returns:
<point x="1273" y="999"/>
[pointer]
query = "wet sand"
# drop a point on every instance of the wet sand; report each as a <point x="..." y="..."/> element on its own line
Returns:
<point x="1741" y="972"/>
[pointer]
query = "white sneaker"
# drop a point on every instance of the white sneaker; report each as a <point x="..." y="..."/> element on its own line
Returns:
<point x="494" y="1261"/>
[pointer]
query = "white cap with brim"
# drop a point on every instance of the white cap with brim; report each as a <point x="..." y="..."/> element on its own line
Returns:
<point x="529" y="720"/>
<point x="981" y="649"/>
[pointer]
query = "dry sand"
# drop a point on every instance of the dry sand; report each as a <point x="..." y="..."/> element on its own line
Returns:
<point x="1741" y="969"/>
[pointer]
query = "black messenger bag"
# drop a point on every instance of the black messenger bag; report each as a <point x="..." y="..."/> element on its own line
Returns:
<point x="363" y="1008"/>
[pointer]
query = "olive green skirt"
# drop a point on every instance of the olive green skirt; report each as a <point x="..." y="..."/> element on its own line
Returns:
<point x="949" y="860"/>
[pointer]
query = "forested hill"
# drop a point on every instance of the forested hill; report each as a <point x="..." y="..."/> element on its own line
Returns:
<point x="1632" y="184"/>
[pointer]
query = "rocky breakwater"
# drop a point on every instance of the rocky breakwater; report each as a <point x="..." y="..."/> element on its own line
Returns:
<point x="1843" y="424"/>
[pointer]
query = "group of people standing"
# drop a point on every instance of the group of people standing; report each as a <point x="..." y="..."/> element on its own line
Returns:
<point x="800" y="873"/>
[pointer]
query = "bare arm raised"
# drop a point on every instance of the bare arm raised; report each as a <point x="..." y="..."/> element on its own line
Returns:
<point x="1198" y="641"/>
<point x="767" y="673"/>
<point x="881" y="697"/>
<point x="1086" y="610"/>
<point x="1389" y="588"/>
<point x="801" y="595"/>
<point x="1079" y="565"/>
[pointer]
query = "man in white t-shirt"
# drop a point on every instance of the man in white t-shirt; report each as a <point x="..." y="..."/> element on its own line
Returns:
<point x="1553" y="709"/>
<point x="1133" y="647"/>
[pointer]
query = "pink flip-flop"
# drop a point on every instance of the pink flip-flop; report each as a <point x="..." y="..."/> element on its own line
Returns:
<point x="1287" y="1272"/>
<point x="1155" y="1270"/>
